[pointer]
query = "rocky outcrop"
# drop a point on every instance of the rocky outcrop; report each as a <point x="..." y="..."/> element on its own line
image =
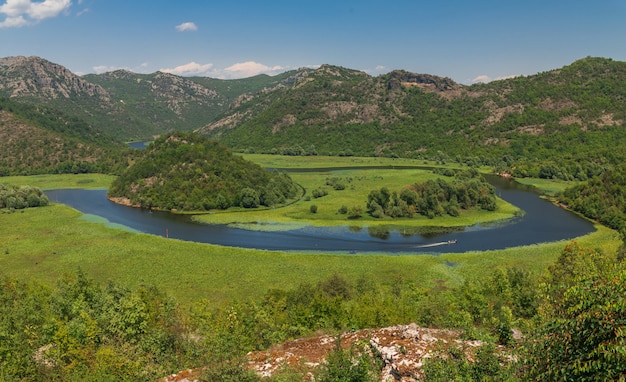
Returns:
<point x="402" y="350"/>
<point x="397" y="78"/>
<point x="38" y="78"/>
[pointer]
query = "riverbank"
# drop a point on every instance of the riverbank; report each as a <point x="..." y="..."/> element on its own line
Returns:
<point x="45" y="243"/>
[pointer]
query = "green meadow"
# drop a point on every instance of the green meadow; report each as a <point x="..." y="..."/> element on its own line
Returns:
<point x="45" y="243"/>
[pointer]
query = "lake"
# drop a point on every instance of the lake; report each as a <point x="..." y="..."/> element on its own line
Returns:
<point x="541" y="222"/>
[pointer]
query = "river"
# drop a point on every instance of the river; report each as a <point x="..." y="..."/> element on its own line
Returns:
<point x="542" y="222"/>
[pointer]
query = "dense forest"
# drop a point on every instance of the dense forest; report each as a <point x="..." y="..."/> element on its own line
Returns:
<point x="566" y="123"/>
<point x="185" y="171"/>
<point x="572" y="317"/>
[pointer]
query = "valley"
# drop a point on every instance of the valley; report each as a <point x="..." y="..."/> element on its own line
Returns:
<point x="293" y="159"/>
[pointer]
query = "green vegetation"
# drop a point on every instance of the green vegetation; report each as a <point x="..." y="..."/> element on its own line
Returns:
<point x="582" y="320"/>
<point x="166" y="292"/>
<point x="41" y="140"/>
<point x="58" y="181"/>
<point x="79" y="328"/>
<point x="82" y="301"/>
<point x="602" y="198"/>
<point x="565" y="124"/>
<point x="184" y="171"/>
<point x="17" y="198"/>
<point x="434" y="198"/>
<point x="341" y="195"/>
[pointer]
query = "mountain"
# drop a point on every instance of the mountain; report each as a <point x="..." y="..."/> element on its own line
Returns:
<point x="562" y="123"/>
<point x="576" y="110"/>
<point x="124" y="104"/>
<point x="38" y="140"/>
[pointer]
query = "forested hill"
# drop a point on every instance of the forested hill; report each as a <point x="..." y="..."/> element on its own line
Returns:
<point x="576" y="111"/>
<point x="185" y="171"/>
<point x="125" y="104"/>
<point x="37" y="140"/>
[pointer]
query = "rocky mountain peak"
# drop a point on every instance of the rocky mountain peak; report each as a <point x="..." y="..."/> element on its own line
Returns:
<point x="397" y="78"/>
<point x="38" y="78"/>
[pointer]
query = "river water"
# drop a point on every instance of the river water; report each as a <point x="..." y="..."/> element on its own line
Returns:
<point x="541" y="222"/>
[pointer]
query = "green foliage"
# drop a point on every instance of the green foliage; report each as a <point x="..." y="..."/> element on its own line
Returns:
<point x="558" y="124"/>
<point x="434" y="198"/>
<point x="351" y="365"/>
<point x="453" y="364"/>
<point x="184" y="171"/>
<point x="19" y="197"/>
<point x="602" y="198"/>
<point x="583" y="320"/>
<point x="80" y="330"/>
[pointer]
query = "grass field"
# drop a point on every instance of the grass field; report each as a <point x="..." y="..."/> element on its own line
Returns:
<point x="44" y="243"/>
<point x="359" y="183"/>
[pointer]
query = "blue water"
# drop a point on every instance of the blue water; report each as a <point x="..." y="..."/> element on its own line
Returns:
<point x="542" y="222"/>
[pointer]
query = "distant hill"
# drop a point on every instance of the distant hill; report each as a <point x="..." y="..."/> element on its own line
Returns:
<point x="36" y="140"/>
<point x="185" y="171"/>
<point x="127" y="105"/>
<point x="579" y="108"/>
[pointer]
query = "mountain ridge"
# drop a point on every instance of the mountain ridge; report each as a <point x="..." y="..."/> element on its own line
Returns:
<point x="340" y="111"/>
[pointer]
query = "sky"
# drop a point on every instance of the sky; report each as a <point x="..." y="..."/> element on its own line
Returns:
<point x="469" y="41"/>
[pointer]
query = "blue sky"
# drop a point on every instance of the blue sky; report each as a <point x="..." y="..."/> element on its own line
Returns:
<point x="468" y="41"/>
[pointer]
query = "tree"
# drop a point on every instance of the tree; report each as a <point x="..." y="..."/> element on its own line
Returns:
<point x="582" y="335"/>
<point x="249" y="198"/>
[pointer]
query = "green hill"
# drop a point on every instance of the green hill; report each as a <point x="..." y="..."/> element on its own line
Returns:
<point x="185" y="171"/>
<point x="576" y="112"/>
<point x="37" y="140"/>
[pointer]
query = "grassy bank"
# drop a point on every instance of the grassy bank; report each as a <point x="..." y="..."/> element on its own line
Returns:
<point x="44" y="243"/>
<point x="58" y="181"/>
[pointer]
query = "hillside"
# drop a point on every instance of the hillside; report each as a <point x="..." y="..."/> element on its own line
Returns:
<point x="125" y="104"/>
<point x="575" y="111"/>
<point x="185" y="171"/>
<point x="37" y="140"/>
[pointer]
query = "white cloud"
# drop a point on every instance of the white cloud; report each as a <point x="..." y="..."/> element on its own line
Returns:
<point x="249" y="69"/>
<point x="482" y="78"/>
<point x="104" y="69"/>
<point x="19" y="13"/>
<point x="190" y="69"/>
<point x="141" y="68"/>
<point x="485" y="78"/>
<point x="188" y="26"/>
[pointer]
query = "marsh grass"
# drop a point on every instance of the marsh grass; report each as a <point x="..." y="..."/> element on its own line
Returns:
<point x="45" y="243"/>
<point x="56" y="181"/>
<point x="548" y="186"/>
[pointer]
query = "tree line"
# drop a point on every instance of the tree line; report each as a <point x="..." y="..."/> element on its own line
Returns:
<point x="602" y="198"/>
